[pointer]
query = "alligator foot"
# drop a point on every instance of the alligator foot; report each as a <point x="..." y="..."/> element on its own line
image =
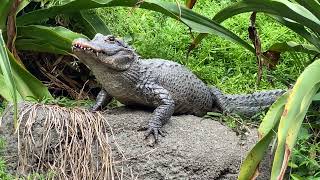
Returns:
<point x="155" y="131"/>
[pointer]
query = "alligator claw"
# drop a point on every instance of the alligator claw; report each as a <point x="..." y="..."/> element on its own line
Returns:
<point x="155" y="131"/>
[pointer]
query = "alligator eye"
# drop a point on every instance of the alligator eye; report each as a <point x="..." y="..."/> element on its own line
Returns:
<point x="111" y="38"/>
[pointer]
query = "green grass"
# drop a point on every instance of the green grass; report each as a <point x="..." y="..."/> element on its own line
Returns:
<point x="4" y="175"/>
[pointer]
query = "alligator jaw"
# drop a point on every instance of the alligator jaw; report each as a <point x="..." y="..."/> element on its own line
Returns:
<point x="87" y="48"/>
<point x="84" y="47"/>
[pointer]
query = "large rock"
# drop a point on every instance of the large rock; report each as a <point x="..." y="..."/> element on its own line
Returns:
<point x="193" y="148"/>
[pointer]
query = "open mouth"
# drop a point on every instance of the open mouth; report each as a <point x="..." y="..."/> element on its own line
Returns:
<point x="87" y="48"/>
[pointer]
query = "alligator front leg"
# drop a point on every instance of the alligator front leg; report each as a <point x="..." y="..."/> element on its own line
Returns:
<point x="103" y="98"/>
<point x="162" y="113"/>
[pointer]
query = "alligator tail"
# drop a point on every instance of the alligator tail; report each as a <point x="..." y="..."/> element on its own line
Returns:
<point x="244" y="104"/>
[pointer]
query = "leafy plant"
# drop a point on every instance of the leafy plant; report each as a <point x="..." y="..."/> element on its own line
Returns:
<point x="288" y="113"/>
<point x="29" y="31"/>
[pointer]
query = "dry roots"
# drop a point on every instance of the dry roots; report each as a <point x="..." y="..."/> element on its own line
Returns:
<point x="72" y="143"/>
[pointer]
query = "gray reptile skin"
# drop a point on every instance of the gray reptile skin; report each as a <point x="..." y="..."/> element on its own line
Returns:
<point x="166" y="86"/>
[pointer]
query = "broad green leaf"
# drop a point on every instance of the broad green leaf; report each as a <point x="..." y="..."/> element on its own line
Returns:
<point x="4" y="10"/>
<point x="46" y="39"/>
<point x="266" y="133"/>
<point x="69" y="7"/>
<point x="312" y="5"/>
<point x="296" y="177"/>
<point x="26" y="84"/>
<point x="8" y="77"/>
<point x="273" y="115"/>
<point x="4" y="91"/>
<point x="300" y="98"/>
<point x="23" y="4"/>
<point x="254" y="157"/>
<point x="295" y="47"/>
<point x="281" y="8"/>
<point x="299" y="29"/>
<point x="316" y="97"/>
<point x="92" y="23"/>
<point x="195" y="21"/>
<point x="39" y="45"/>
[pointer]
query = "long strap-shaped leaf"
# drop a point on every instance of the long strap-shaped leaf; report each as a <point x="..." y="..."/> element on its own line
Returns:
<point x="295" y="110"/>
<point x="46" y="39"/>
<point x="299" y="29"/>
<point x="92" y="23"/>
<point x="312" y="5"/>
<point x="192" y="19"/>
<point x="278" y="8"/>
<point x="4" y="91"/>
<point x="27" y="85"/>
<point x="294" y="47"/>
<point x="4" y="10"/>
<point x="266" y="133"/>
<point x="8" y="77"/>
<point x="281" y="8"/>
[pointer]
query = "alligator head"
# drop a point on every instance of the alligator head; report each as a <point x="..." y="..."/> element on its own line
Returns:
<point x="104" y="51"/>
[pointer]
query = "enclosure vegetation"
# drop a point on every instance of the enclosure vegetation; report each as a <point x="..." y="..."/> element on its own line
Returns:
<point x="232" y="66"/>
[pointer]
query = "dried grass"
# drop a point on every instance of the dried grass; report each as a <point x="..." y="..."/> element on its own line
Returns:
<point x="72" y="143"/>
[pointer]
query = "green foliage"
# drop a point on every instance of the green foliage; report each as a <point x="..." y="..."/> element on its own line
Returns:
<point x="8" y="78"/>
<point x="216" y="61"/>
<point x="58" y="40"/>
<point x="16" y="79"/>
<point x="266" y="133"/>
<point x="37" y="176"/>
<point x="307" y="24"/>
<point x="46" y="39"/>
<point x="67" y="102"/>
<point x="93" y="24"/>
<point x="194" y="20"/>
<point x="305" y="163"/>
<point x="4" y="175"/>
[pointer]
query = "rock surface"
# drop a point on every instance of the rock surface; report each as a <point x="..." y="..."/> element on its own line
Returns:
<point x="194" y="148"/>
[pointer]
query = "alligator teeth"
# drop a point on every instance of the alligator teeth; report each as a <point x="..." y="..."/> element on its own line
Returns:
<point x="97" y="54"/>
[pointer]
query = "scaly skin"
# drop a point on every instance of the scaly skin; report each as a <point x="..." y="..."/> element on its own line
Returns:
<point x="166" y="86"/>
